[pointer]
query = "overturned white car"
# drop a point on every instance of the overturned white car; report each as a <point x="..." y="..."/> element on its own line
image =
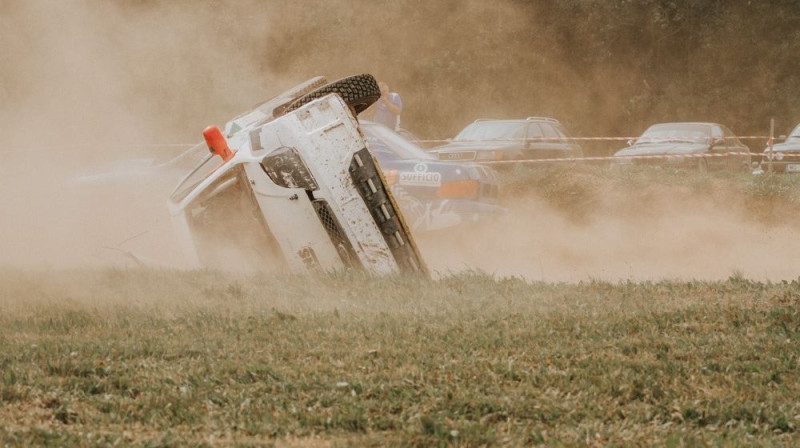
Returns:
<point x="292" y="183"/>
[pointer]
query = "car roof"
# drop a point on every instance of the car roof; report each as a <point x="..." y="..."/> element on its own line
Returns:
<point x="511" y="120"/>
<point x="704" y="123"/>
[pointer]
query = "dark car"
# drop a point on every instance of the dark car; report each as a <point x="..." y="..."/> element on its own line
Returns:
<point x="432" y="194"/>
<point x="521" y="139"/>
<point x="783" y="157"/>
<point x="705" y="146"/>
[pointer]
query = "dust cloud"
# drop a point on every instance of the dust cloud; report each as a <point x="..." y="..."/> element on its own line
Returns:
<point x="89" y="88"/>
<point x="677" y="236"/>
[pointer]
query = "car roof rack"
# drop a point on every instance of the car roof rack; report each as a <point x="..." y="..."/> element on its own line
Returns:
<point x="551" y="120"/>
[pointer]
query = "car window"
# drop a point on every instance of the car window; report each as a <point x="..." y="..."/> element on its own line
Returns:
<point x="382" y="139"/>
<point x="796" y="132"/>
<point x="676" y="132"/>
<point x="730" y="137"/>
<point x="383" y="155"/>
<point x="487" y="130"/>
<point x="716" y="132"/>
<point x="204" y="168"/>
<point x="550" y="132"/>
<point x="535" y="131"/>
<point x="561" y="132"/>
<point x="727" y="133"/>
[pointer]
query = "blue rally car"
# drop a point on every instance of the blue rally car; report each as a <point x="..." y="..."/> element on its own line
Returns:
<point x="433" y="194"/>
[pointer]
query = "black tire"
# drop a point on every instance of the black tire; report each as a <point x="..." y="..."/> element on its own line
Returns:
<point x="359" y="92"/>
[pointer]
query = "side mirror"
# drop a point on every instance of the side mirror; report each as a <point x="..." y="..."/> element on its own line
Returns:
<point x="630" y="142"/>
<point x="717" y="142"/>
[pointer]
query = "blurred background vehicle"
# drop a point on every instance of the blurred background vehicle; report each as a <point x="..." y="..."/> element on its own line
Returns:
<point x="433" y="194"/>
<point x="520" y="139"/>
<point x="705" y="146"/>
<point x="783" y="157"/>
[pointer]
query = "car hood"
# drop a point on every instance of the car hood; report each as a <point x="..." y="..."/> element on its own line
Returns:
<point x="662" y="149"/>
<point x="473" y="146"/>
<point x="447" y="170"/>
<point x="788" y="146"/>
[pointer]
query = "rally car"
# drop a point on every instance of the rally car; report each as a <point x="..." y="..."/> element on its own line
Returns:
<point x="701" y="146"/>
<point x="433" y="194"/>
<point x="292" y="183"/>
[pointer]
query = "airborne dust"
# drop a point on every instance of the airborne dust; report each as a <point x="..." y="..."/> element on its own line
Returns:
<point x="87" y="86"/>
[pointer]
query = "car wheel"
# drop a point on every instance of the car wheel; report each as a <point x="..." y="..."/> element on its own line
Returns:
<point x="359" y="92"/>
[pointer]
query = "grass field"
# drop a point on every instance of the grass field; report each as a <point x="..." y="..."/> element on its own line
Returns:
<point x="168" y="357"/>
<point x="171" y="358"/>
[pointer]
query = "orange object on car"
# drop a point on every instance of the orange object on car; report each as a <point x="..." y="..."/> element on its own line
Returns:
<point x="216" y="143"/>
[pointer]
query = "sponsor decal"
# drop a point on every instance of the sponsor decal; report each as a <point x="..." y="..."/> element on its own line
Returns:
<point x="420" y="177"/>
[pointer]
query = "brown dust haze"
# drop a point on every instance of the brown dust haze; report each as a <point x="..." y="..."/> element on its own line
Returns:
<point x="91" y="87"/>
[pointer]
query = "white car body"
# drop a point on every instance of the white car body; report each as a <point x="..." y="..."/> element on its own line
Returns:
<point x="261" y="209"/>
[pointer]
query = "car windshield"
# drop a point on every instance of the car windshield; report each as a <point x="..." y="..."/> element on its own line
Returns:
<point x="381" y="140"/>
<point x="677" y="132"/>
<point x="487" y="130"/>
<point x="795" y="133"/>
<point x="204" y="168"/>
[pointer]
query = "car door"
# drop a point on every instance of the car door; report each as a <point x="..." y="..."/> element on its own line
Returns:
<point x="558" y="145"/>
<point x="719" y="147"/>
<point x="536" y="146"/>
<point x="738" y="161"/>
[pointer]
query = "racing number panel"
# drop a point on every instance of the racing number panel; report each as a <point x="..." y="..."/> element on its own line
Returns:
<point x="368" y="182"/>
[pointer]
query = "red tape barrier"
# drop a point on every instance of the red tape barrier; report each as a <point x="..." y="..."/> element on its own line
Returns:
<point x="643" y="157"/>
<point x="547" y="139"/>
<point x="618" y="158"/>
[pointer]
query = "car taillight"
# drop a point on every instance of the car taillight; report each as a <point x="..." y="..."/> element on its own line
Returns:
<point x="458" y="189"/>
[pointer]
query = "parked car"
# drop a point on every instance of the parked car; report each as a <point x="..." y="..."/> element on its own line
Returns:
<point x="705" y="146"/>
<point x="521" y="139"/>
<point x="292" y="183"/>
<point x="432" y="194"/>
<point x="783" y="157"/>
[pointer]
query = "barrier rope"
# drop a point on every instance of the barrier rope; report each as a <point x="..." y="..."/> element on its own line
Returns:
<point x="634" y="157"/>
<point x="579" y="139"/>
<point x="125" y="146"/>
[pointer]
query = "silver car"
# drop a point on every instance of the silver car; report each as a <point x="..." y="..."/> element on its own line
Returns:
<point x="704" y="146"/>
<point x="783" y="157"/>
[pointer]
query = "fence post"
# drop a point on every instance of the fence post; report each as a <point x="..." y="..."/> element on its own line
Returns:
<point x="769" y="142"/>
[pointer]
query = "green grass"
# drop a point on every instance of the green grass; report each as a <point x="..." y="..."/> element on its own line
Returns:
<point x="172" y="358"/>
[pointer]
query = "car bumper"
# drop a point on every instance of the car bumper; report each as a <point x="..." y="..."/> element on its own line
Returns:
<point x="787" y="167"/>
